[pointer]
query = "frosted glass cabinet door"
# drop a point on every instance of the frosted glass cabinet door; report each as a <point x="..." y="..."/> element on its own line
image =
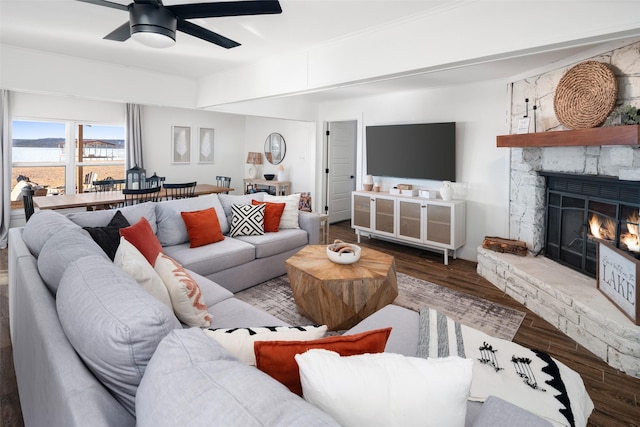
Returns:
<point x="384" y="215"/>
<point x="410" y="220"/>
<point x="439" y="224"/>
<point x="362" y="211"/>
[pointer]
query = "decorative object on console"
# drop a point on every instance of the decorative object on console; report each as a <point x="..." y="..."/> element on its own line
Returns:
<point x="367" y="183"/>
<point x="282" y="176"/>
<point x="585" y="95"/>
<point x="136" y="178"/>
<point x="253" y="159"/>
<point x="446" y="192"/>
<point x="376" y="187"/>
<point x="269" y="176"/>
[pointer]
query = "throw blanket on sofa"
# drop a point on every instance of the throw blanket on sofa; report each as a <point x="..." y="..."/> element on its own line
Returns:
<point x="527" y="378"/>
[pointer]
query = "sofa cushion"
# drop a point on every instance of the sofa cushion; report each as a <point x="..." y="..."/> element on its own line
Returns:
<point x="276" y="358"/>
<point x="228" y="200"/>
<point x="272" y="214"/>
<point x="247" y="220"/>
<point x="61" y="250"/>
<point x="203" y="227"/>
<point x="212" y="293"/>
<point x="141" y="236"/>
<point x="101" y="218"/>
<point x="239" y="341"/>
<point x="192" y="381"/>
<point x="209" y="259"/>
<point x="108" y="237"/>
<point x="289" y="217"/>
<point x="171" y="227"/>
<point x="276" y="243"/>
<point x="234" y="313"/>
<point x="186" y="297"/>
<point x="41" y="226"/>
<point x="129" y="259"/>
<point x="496" y="412"/>
<point x="113" y="324"/>
<point x="387" y="389"/>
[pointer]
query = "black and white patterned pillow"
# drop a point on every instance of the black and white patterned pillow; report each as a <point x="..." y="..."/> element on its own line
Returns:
<point x="239" y="341"/>
<point x="247" y="220"/>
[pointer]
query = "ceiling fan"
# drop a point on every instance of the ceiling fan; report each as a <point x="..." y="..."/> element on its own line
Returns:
<point x="155" y="24"/>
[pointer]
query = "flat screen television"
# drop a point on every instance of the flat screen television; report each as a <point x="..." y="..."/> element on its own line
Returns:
<point x="420" y="151"/>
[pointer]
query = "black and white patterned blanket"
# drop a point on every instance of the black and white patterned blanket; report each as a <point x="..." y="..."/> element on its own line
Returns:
<point x="527" y="378"/>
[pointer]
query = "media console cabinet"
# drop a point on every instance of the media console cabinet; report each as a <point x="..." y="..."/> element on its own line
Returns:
<point x="416" y="221"/>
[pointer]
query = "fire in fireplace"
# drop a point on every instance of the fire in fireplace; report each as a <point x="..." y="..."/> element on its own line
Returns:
<point x="582" y="210"/>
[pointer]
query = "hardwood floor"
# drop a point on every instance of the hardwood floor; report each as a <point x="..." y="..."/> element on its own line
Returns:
<point x="615" y="395"/>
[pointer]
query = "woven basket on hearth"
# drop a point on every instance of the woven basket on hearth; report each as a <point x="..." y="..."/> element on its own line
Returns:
<point x="585" y="95"/>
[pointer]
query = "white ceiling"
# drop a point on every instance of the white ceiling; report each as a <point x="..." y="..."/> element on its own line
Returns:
<point x="75" y="29"/>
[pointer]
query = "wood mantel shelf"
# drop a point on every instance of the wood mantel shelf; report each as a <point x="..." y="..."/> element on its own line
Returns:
<point x="616" y="135"/>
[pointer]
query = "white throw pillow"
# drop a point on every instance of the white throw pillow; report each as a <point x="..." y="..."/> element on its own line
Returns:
<point x="289" y="218"/>
<point x="239" y="341"/>
<point x="186" y="296"/>
<point x="129" y="258"/>
<point x="387" y="389"/>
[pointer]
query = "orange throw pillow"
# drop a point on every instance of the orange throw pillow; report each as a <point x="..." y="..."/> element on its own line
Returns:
<point x="203" y="227"/>
<point x="277" y="358"/>
<point x="141" y="236"/>
<point x="272" y="214"/>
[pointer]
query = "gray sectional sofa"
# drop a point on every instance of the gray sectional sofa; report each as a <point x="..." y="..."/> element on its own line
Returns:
<point x="91" y="347"/>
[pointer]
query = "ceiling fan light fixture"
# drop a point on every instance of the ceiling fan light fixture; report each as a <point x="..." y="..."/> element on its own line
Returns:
<point x="152" y="26"/>
<point x="154" y="38"/>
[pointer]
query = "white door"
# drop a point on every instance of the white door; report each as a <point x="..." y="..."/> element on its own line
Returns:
<point x="341" y="146"/>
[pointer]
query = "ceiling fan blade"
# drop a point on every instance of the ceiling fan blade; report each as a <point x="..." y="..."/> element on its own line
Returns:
<point x="156" y="3"/>
<point x="204" y="34"/>
<point x="106" y="3"/>
<point x="120" y="34"/>
<point x="227" y="8"/>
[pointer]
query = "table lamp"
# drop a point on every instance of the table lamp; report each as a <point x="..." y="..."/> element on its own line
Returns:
<point x="254" y="158"/>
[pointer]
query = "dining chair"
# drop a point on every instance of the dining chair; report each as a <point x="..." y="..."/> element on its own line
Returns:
<point x="27" y="201"/>
<point x="109" y="184"/>
<point x="134" y="197"/>
<point x="223" y="181"/>
<point x="179" y="191"/>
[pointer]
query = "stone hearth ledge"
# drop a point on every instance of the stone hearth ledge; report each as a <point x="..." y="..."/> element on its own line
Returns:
<point x="568" y="300"/>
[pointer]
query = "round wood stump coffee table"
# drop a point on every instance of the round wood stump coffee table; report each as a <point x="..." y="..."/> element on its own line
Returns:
<point x="338" y="295"/>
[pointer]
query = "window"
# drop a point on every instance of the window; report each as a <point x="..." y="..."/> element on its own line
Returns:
<point x="64" y="157"/>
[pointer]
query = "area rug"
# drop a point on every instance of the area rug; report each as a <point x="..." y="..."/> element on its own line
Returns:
<point x="274" y="297"/>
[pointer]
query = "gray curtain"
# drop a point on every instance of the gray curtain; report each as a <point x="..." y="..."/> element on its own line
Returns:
<point x="133" y="129"/>
<point x="5" y="160"/>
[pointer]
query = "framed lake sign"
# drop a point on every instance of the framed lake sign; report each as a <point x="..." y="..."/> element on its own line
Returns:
<point x="618" y="279"/>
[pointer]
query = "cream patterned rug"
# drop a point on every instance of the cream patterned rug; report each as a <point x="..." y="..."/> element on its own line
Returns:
<point x="274" y="297"/>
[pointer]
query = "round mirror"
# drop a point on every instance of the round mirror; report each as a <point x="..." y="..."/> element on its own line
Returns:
<point x="275" y="148"/>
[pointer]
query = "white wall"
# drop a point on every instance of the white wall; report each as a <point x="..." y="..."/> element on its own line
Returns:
<point x="479" y="113"/>
<point x="228" y="146"/>
<point x="299" y="161"/>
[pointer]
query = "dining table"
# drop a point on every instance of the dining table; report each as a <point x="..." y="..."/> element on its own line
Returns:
<point x="92" y="200"/>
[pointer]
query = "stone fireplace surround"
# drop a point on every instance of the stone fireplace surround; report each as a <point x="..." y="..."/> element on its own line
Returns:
<point x="565" y="298"/>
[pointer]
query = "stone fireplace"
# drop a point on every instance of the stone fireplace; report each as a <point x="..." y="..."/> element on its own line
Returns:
<point x="581" y="211"/>
<point x="566" y="298"/>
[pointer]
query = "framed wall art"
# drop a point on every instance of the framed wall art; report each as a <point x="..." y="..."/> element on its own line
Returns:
<point x="181" y="144"/>
<point x="205" y="145"/>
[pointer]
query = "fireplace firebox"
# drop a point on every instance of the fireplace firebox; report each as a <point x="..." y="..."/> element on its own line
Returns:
<point x="581" y="210"/>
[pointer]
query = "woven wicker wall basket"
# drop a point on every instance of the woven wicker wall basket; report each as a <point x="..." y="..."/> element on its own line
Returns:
<point x="585" y="95"/>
